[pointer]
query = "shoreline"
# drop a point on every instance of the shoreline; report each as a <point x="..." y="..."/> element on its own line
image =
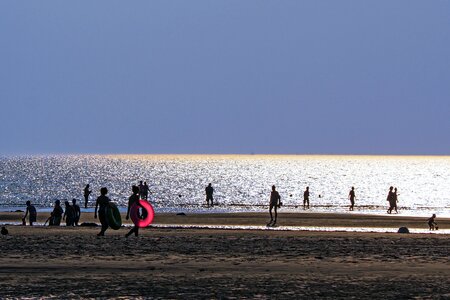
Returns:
<point x="287" y="220"/>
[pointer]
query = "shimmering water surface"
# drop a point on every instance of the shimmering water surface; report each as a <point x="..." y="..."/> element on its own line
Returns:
<point x="241" y="182"/>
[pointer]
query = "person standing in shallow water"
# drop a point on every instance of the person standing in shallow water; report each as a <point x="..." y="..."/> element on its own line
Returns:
<point x="395" y="200"/>
<point x="390" y="199"/>
<point x="77" y="210"/>
<point x="209" y="190"/>
<point x="31" y="211"/>
<point x="275" y="202"/>
<point x="56" y="215"/>
<point x="306" y="198"/>
<point x="87" y="192"/>
<point x="352" y="197"/>
<point x="101" y="204"/>
<point x="134" y="198"/>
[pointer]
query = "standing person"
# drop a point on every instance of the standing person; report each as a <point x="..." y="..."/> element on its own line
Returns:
<point x="390" y="198"/>
<point x="395" y="200"/>
<point x="306" y="198"/>
<point x="352" y="197"/>
<point x="134" y="198"/>
<point x="77" y="211"/>
<point x="432" y="224"/>
<point x="141" y="189"/>
<point x="275" y="202"/>
<point x="56" y="215"/>
<point x="69" y="214"/>
<point x="145" y="190"/>
<point x="31" y="210"/>
<point x="209" y="190"/>
<point x="87" y="192"/>
<point x="102" y="202"/>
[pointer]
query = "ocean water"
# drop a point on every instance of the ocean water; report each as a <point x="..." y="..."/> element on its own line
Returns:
<point x="241" y="182"/>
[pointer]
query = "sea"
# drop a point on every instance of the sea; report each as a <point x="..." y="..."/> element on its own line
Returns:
<point x="242" y="183"/>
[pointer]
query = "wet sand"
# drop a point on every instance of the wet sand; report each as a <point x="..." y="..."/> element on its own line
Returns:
<point x="168" y="263"/>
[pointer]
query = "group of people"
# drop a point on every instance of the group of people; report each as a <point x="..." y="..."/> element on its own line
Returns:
<point x="71" y="214"/>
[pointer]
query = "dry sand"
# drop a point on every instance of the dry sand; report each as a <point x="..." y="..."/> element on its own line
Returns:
<point x="168" y="263"/>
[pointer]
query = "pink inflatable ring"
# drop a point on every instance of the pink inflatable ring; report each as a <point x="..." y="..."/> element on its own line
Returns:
<point x="147" y="213"/>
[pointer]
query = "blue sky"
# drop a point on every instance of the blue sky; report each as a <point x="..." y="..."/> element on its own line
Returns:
<point x="307" y="77"/>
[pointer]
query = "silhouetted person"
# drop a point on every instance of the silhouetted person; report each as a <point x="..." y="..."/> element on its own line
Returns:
<point x="56" y="215"/>
<point x="101" y="204"/>
<point x="31" y="212"/>
<point x="395" y="201"/>
<point x="77" y="211"/>
<point x="145" y="190"/>
<point x="275" y="202"/>
<point x="432" y="224"/>
<point x="209" y="190"/>
<point x="390" y="199"/>
<point x="4" y="231"/>
<point x="141" y="189"/>
<point x="87" y="192"/>
<point x="306" y="198"/>
<point x="69" y="214"/>
<point x="351" y="196"/>
<point x="134" y="198"/>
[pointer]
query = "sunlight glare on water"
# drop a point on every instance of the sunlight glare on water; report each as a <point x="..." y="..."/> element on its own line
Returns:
<point x="241" y="182"/>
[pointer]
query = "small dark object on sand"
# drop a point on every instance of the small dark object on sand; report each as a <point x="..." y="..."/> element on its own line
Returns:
<point x="4" y="230"/>
<point x="181" y="214"/>
<point x="403" y="230"/>
<point x="89" y="224"/>
<point x="19" y="210"/>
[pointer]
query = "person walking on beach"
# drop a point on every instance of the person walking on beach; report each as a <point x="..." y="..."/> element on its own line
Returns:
<point x="275" y="203"/>
<point x="77" y="211"/>
<point x="56" y="215"/>
<point x="101" y="205"/>
<point x="69" y="214"/>
<point x="432" y="224"/>
<point x="31" y="211"/>
<point x="351" y="196"/>
<point x="209" y="190"/>
<point x="134" y="198"/>
<point x="306" y="198"/>
<point x="390" y="199"/>
<point x="87" y="192"/>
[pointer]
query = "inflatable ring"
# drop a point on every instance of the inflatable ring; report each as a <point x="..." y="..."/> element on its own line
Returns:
<point x="113" y="216"/>
<point x="147" y="213"/>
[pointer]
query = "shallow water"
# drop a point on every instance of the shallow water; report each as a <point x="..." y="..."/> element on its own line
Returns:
<point x="241" y="182"/>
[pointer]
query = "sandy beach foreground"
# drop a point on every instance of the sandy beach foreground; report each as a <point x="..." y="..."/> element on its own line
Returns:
<point x="174" y="263"/>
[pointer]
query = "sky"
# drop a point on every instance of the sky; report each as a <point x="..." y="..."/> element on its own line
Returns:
<point x="246" y="76"/>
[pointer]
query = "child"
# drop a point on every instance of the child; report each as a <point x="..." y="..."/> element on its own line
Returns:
<point x="432" y="223"/>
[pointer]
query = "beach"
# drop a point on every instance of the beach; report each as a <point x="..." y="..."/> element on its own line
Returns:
<point x="214" y="263"/>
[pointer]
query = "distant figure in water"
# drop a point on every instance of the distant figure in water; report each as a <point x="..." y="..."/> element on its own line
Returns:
<point x="145" y="190"/>
<point x="275" y="202"/>
<point x="352" y="197"/>
<point x="306" y="198"/>
<point x="101" y="204"/>
<point x="432" y="224"/>
<point x="395" y="201"/>
<point x="390" y="198"/>
<point x="31" y="211"/>
<point x="69" y="214"/>
<point x="134" y="198"/>
<point x="87" y="192"/>
<point x="141" y="189"/>
<point x="77" y="211"/>
<point x="56" y="215"/>
<point x="209" y="190"/>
